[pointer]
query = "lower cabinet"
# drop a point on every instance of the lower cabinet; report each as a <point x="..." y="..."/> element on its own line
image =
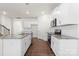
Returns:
<point x="15" y="47"/>
<point x="1" y="47"/>
<point x="54" y="45"/>
<point x="65" y="47"/>
<point x="12" y="47"/>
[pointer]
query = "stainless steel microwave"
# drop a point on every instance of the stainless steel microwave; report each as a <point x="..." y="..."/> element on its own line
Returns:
<point x="54" y="22"/>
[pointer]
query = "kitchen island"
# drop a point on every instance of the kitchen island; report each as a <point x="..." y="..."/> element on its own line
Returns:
<point x="15" y="45"/>
<point x="63" y="45"/>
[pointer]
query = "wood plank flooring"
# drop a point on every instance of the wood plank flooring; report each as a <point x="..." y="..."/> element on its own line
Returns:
<point x="39" y="48"/>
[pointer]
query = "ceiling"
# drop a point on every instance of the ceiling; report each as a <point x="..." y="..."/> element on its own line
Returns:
<point x="19" y="9"/>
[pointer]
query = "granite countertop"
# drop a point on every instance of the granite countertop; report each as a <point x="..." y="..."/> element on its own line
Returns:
<point x="62" y="36"/>
<point x="19" y="36"/>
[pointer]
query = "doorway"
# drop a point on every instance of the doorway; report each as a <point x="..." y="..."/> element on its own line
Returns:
<point x="34" y="28"/>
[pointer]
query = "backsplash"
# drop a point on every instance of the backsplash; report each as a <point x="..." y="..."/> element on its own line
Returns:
<point x="70" y="31"/>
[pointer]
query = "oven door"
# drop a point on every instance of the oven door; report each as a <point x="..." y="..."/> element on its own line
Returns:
<point x="49" y="38"/>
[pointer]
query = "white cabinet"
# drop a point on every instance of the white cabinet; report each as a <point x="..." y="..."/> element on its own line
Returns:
<point x="17" y="24"/>
<point x="54" y="44"/>
<point x="65" y="47"/>
<point x="27" y="42"/>
<point x="69" y="47"/>
<point x="23" y="46"/>
<point x="14" y="47"/>
<point x="0" y="47"/>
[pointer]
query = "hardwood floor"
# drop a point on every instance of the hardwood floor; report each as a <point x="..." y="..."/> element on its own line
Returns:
<point x="39" y="48"/>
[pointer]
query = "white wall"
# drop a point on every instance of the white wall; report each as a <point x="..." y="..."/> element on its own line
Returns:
<point x="68" y="13"/>
<point x="70" y="30"/>
<point x="27" y="23"/>
<point x="23" y="25"/>
<point x="28" y="26"/>
<point x="34" y="28"/>
<point x="6" y="21"/>
<point x="43" y="26"/>
<point x="17" y="27"/>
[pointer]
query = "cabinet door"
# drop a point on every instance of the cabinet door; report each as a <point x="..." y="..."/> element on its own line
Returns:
<point x="12" y="47"/>
<point x="69" y="49"/>
<point x="23" y="46"/>
<point x="52" y="42"/>
<point x="28" y="41"/>
<point x="1" y="47"/>
<point x="56" y="46"/>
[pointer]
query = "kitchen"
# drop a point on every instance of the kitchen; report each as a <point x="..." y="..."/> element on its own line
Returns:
<point x="54" y="23"/>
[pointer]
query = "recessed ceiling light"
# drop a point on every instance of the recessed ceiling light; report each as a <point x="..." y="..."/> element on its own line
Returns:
<point x="4" y="12"/>
<point x="27" y="12"/>
<point x="43" y="12"/>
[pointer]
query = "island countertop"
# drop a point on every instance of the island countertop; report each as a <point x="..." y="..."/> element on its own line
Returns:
<point x="19" y="36"/>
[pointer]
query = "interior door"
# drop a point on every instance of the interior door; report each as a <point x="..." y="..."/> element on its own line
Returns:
<point x="34" y="28"/>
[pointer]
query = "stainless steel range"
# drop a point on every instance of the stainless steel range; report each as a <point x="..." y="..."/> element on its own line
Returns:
<point x="49" y="39"/>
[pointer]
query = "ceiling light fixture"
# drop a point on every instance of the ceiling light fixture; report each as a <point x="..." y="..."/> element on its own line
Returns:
<point x="4" y="13"/>
<point x="42" y="12"/>
<point x="27" y="12"/>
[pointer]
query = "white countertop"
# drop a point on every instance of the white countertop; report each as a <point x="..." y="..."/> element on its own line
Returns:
<point x="62" y="36"/>
<point x="20" y="36"/>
